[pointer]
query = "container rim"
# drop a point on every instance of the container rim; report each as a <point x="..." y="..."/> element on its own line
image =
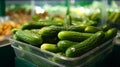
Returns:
<point x="59" y="63"/>
<point x="37" y="56"/>
<point x="62" y="57"/>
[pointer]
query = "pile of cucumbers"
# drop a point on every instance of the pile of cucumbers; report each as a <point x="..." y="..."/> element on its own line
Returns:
<point x="72" y="41"/>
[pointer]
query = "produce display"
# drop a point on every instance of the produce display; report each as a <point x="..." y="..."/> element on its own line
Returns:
<point x="79" y="14"/>
<point x="18" y="14"/>
<point x="71" y="42"/>
<point x="92" y="11"/>
<point x="68" y="37"/>
<point x="6" y="29"/>
<point x="23" y="13"/>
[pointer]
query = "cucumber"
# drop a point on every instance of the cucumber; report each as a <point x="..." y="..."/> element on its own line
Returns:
<point x="94" y="16"/>
<point x="29" y="37"/>
<point x="14" y="30"/>
<point x="49" y="47"/>
<point x="35" y="30"/>
<point x="105" y="27"/>
<point x="50" y="31"/>
<point x="110" y="33"/>
<point x="15" y="37"/>
<point x="111" y="16"/>
<point x="83" y="47"/>
<point x="89" y="22"/>
<point x="76" y="28"/>
<point x="32" y="25"/>
<point x="49" y="34"/>
<point x="92" y="29"/>
<point x="36" y="25"/>
<point x="92" y="23"/>
<point x="73" y="36"/>
<point x="64" y="44"/>
<point x="116" y="16"/>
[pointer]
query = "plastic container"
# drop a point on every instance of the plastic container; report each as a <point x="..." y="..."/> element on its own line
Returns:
<point x="117" y="38"/>
<point x="42" y="58"/>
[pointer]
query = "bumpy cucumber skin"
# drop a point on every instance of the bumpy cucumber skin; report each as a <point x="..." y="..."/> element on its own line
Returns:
<point x="76" y="28"/>
<point x="64" y="44"/>
<point x="29" y="37"/>
<point x="88" y="44"/>
<point x="50" y="31"/>
<point x="73" y="36"/>
<point x="49" y="34"/>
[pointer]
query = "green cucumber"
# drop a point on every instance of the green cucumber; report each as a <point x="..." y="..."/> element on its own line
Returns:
<point x="29" y="37"/>
<point x="64" y="44"/>
<point x="83" y="47"/>
<point x="36" y="25"/>
<point x="76" y="28"/>
<point x="49" y="47"/>
<point x="32" y="25"/>
<point x="14" y="30"/>
<point x="111" y="16"/>
<point x="105" y="27"/>
<point x="116" y="16"/>
<point x="73" y="36"/>
<point x="49" y="34"/>
<point x="110" y="33"/>
<point x="15" y="37"/>
<point x="50" y="31"/>
<point x="92" y="29"/>
<point x="89" y="22"/>
<point x="92" y="23"/>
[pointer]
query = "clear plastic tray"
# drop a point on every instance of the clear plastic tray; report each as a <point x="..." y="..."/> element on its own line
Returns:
<point x="43" y="58"/>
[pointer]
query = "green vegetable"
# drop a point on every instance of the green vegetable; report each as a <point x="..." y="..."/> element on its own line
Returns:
<point x="50" y="31"/>
<point x="64" y="44"/>
<point x="76" y="28"/>
<point x="73" y="36"/>
<point x="116" y="16"/>
<point x="29" y="37"/>
<point x="89" y="22"/>
<point x="92" y="23"/>
<point x="105" y="27"/>
<point x="49" y="47"/>
<point x="95" y="16"/>
<point x="83" y="47"/>
<point x="111" y="16"/>
<point x="36" y="25"/>
<point x="15" y="37"/>
<point x="110" y="33"/>
<point x="49" y="34"/>
<point x="14" y="30"/>
<point x="32" y="25"/>
<point x="92" y="29"/>
<point x="68" y="21"/>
